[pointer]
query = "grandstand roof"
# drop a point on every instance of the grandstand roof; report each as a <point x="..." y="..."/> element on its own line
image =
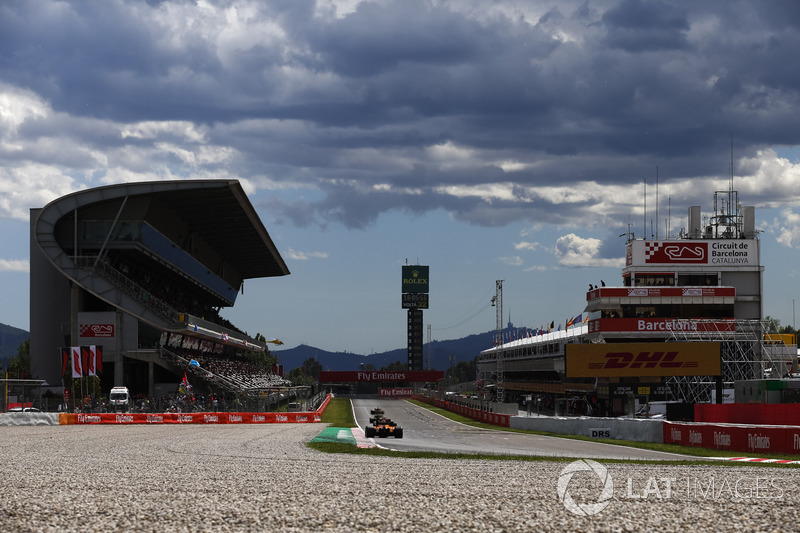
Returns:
<point x="218" y="210"/>
<point x="226" y="219"/>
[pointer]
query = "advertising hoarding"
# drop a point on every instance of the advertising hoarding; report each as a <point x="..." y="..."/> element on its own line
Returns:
<point x="415" y="279"/>
<point x="379" y="376"/>
<point x="713" y="252"/>
<point x="643" y="359"/>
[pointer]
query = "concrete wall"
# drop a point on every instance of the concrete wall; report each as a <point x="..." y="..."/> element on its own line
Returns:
<point x="28" y="419"/>
<point x="635" y="429"/>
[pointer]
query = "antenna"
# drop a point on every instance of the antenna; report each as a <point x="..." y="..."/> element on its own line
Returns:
<point x="645" y="207"/>
<point x="669" y="215"/>
<point x="730" y="186"/>
<point x="656" y="202"/>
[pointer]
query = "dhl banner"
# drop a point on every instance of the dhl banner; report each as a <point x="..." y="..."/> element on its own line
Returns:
<point x="643" y="359"/>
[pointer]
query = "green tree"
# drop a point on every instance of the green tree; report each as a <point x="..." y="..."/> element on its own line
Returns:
<point x="466" y="370"/>
<point x="299" y="378"/>
<point x="397" y="366"/>
<point x="773" y="325"/>
<point x="312" y="368"/>
<point x="308" y="374"/>
<point x="263" y="359"/>
<point x="19" y="366"/>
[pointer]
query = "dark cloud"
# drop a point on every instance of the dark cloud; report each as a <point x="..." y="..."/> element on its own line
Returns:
<point x="644" y="26"/>
<point x="378" y="39"/>
<point x="355" y="106"/>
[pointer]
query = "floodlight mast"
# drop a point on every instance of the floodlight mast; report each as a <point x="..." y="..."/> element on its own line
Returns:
<point x="500" y="379"/>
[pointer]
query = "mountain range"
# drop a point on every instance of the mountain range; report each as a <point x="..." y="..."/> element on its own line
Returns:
<point x="440" y="352"/>
<point x="10" y="339"/>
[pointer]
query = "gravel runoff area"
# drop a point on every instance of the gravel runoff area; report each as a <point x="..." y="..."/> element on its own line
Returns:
<point x="263" y="478"/>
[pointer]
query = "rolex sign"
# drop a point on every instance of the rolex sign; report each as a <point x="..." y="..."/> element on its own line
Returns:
<point x="415" y="279"/>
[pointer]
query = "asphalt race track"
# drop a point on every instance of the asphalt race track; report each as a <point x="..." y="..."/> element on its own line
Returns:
<point x="427" y="431"/>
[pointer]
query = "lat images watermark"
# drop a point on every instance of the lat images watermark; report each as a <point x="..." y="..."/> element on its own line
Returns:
<point x="585" y="509"/>
<point x="594" y="487"/>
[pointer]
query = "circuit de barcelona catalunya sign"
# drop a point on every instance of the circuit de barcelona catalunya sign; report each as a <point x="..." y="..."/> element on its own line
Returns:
<point x="643" y="359"/>
<point x="419" y="376"/>
<point x="728" y="252"/>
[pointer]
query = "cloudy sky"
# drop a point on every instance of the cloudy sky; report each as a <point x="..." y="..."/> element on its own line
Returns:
<point x="489" y="140"/>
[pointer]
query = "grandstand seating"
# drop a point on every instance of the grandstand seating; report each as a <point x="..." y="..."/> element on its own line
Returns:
<point x="234" y="374"/>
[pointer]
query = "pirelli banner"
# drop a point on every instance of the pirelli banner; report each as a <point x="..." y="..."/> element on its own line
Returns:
<point x="649" y="359"/>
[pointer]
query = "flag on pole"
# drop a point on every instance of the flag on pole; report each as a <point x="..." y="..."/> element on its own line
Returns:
<point x="87" y="354"/>
<point x="98" y="359"/>
<point x="77" y="367"/>
<point x="64" y="361"/>
<point x="184" y="387"/>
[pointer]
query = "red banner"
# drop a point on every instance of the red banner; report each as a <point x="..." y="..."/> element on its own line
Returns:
<point x="187" y="418"/>
<point x="382" y="376"/>
<point x="660" y="325"/>
<point x="96" y="330"/>
<point x="676" y="252"/>
<point x="475" y="414"/>
<point x="194" y="418"/>
<point x="750" y="439"/>
<point x="777" y="414"/>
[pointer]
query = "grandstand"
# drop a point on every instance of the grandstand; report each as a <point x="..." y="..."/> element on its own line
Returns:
<point x="143" y="270"/>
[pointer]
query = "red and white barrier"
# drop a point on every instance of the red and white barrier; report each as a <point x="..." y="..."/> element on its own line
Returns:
<point x="735" y="438"/>
<point x="496" y="419"/>
<point x="194" y="418"/>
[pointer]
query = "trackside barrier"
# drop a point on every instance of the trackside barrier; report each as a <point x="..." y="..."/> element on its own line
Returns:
<point x="194" y="418"/>
<point x="735" y="438"/>
<point x="776" y="414"/>
<point x="186" y="418"/>
<point x="635" y="429"/>
<point x="495" y="419"/>
<point x="28" y="419"/>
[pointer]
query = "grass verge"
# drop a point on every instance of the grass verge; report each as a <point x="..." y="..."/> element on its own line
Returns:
<point x="340" y="447"/>
<point x="339" y="413"/>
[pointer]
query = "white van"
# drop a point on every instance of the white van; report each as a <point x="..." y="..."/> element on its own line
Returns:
<point x="120" y="399"/>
